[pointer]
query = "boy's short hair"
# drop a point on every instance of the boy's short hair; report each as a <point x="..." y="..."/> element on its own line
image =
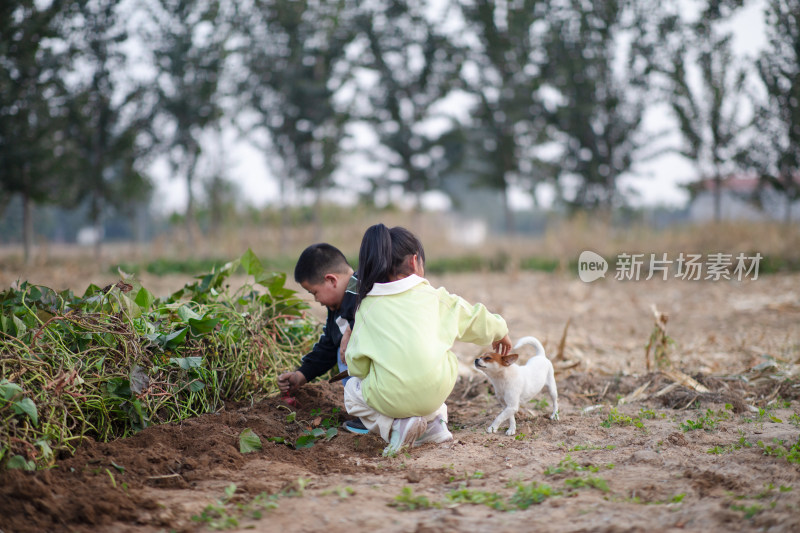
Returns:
<point x="318" y="260"/>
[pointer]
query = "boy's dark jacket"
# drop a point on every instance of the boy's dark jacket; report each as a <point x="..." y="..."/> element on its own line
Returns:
<point x="323" y="356"/>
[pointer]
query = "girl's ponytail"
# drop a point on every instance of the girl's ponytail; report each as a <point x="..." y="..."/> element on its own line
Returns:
<point x="374" y="259"/>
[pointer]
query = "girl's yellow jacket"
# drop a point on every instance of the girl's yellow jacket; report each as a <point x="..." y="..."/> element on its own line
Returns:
<point x="401" y="341"/>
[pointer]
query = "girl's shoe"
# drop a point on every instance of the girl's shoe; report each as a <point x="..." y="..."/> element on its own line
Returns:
<point x="404" y="432"/>
<point x="437" y="432"/>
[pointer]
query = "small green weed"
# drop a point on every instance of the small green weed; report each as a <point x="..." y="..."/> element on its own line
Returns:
<point x="568" y="464"/>
<point x="791" y="453"/>
<point x="224" y="514"/>
<point x="646" y="414"/>
<point x="762" y="416"/>
<point x="590" y="482"/>
<point x="531" y="494"/>
<point x="341" y="492"/>
<point x="720" y="450"/>
<point x="540" y="404"/>
<point x="616" y="418"/>
<point x="708" y="422"/>
<point x="749" y="511"/>
<point x="322" y="428"/>
<point x="407" y="501"/>
<point x="477" y="497"/>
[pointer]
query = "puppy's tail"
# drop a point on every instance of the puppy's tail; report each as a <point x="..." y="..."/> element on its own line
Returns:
<point x="531" y="341"/>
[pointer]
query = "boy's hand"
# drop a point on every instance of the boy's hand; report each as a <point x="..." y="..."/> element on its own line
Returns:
<point x="291" y="381"/>
<point x="503" y="346"/>
<point x="343" y="344"/>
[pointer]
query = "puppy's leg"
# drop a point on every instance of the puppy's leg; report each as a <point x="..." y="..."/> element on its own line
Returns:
<point x="506" y="414"/>
<point x="551" y="388"/>
<point x="499" y="418"/>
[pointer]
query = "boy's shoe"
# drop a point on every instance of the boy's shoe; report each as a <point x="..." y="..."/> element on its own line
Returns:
<point x="437" y="432"/>
<point x="404" y="432"/>
<point x="355" y="426"/>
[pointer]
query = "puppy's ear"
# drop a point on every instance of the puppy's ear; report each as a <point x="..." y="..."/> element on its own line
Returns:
<point x="510" y="359"/>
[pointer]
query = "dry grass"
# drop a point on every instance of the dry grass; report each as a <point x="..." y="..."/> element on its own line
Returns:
<point x="563" y="241"/>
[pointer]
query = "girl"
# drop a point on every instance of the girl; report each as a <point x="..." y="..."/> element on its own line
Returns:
<point x="399" y="353"/>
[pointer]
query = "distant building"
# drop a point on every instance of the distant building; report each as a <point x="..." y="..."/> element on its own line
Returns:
<point x="741" y="198"/>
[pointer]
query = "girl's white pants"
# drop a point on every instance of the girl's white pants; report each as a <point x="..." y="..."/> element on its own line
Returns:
<point x="374" y="421"/>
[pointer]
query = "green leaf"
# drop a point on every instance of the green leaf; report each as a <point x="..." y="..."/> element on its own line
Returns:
<point x="176" y="338"/>
<point x="332" y="432"/>
<point x="251" y="263"/>
<point x="91" y="290"/>
<point x="144" y="299"/>
<point x="118" y="387"/>
<point x="200" y="327"/>
<point x="19" y="463"/>
<point x="139" y="380"/>
<point x="27" y="407"/>
<point x="9" y="390"/>
<point x="187" y="363"/>
<point x="186" y="313"/>
<point x="273" y="281"/>
<point x="196" y="386"/>
<point x="118" y="467"/>
<point x="140" y="421"/>
<point x="279" y="440"/>
<point x="305" y="441"/>
<point x="43" y="445"/>
<point x="249" y="441"/>
<point x="129" y="306"/>
<point x="20" y="326"/>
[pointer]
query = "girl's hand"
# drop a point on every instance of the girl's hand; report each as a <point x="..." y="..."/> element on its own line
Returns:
<point x="503" y="346"/>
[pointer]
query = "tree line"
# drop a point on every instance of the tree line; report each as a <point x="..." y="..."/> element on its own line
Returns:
<point x="546" y="92"/>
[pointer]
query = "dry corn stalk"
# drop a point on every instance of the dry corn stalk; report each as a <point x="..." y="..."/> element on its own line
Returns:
<point x="659" y="341"/>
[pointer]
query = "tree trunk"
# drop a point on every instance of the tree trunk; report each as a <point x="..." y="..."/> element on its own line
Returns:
<point x="97" y="222"/>
<point x="282" y="238"/>
<point x="190" y="201"/>
<point x="717" y="197"/>
<point x="317" y="214"/>
<point x="508" y="213"/>
<point x="27" y="227"/>
<point x="98" y="242"/>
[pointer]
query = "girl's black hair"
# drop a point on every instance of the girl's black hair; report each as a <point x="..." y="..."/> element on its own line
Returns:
<point x="383" y="254"/>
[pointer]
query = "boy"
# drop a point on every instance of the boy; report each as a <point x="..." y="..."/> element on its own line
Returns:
<point x="324" y="272"/>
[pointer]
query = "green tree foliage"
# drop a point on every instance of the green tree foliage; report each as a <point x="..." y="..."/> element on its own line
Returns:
<point x="31" y="89"/>
<point x="106" y="120"/>
<point x="415" y="66"/>
<point x="189" y="48"/>
<point x="775" y="152"/>
<point x="292" y="52"/>
<point x="504" y="72"/>
<point x="709" y="113"/>
<point x="601" y="98"/>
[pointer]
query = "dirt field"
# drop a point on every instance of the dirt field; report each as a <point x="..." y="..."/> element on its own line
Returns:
<point x="625" y="455"/>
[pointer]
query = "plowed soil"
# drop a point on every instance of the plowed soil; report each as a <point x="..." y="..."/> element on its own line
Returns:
<point x="635" y="449"/>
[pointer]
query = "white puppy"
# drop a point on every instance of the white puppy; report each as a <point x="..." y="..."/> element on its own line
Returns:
<point x="514" y="383"/>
